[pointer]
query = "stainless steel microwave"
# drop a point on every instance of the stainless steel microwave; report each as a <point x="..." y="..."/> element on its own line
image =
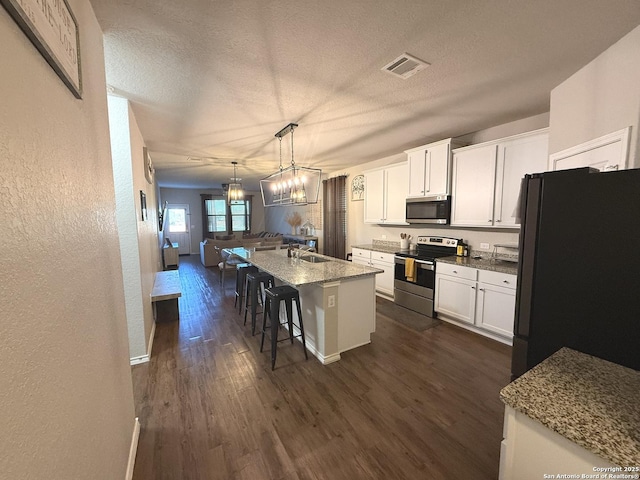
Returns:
<point x="435" y="209"/>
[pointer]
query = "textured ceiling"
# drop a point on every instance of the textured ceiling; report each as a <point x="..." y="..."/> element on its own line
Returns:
<point x="211" y="78"/>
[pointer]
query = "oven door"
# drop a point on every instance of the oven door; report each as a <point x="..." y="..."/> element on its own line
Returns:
<point x="425" y="273"/>
<point x="418" y="295"/>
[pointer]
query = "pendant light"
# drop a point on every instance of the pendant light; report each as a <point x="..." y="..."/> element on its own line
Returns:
<point x="235" y="187"/>
<point x="292" y="185"/>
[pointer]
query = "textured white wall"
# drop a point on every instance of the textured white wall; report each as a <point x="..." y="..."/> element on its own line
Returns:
<point x="602" y="97"/>
<point x="138" y="239"/>
<point x="66" y="393"/>
<point x="150" y="259"/>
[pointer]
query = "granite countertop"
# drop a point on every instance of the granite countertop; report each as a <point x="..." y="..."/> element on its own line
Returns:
<point x="592" y="402"/>
<point x="296" y="272"/>
<point x="485" y="263"/>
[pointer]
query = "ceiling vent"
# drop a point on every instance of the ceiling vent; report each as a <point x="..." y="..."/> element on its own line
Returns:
<point x="405" y="66"/>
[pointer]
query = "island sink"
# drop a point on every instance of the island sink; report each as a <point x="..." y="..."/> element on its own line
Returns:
<point x="311" y="259"/>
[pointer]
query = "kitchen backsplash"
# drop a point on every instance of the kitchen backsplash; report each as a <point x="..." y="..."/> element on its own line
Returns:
<point x="386" y="243"/>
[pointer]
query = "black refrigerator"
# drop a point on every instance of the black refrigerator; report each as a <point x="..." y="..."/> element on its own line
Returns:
<point x="579" y="267"/>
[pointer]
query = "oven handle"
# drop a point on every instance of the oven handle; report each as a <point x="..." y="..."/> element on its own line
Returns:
<point x="421" y="264"/>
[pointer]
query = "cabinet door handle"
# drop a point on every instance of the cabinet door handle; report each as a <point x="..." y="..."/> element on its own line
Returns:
<point x="473" y="288"/>
<point x="481" y="289"/>
<point x="506" y="281"/>
<point x="455" y="271"/>
<point x="498" y="220"/>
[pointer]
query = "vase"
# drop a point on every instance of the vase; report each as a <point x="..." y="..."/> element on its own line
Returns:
<point x="293" y="230"/>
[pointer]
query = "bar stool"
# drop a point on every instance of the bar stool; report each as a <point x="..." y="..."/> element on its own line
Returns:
<point x="241" y="279"/>
<point x="273" y="297"/>
<point x="255" y="282"/>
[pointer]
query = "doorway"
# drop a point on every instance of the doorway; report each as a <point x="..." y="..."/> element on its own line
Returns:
<point x="179" y="227"/>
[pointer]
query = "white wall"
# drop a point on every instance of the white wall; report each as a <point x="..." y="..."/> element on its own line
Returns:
<point x="192" y="198"/>
<point x="138" y="239"/>
<point x="67" y="398"/>
<point x="602" y="97"/>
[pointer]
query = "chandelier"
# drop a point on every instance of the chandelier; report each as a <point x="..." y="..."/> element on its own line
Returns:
<point x="234" y="191"/>
<point x="292" y="185"/>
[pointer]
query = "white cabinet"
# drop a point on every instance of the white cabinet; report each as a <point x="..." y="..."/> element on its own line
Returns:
<point x="606" y="153"/>
<point x="384" y="281"/>
<point x="385" y="195"/>
<point x="361" y="256"/>
<point x="487" y="177"/>
<point x="384" y="261"/>
<point x="481" y="298"/>
<point x="532" y="451"/>
<point x="473" y="186"/>
<point x="429" y="172"/>
<point x="496" y="302"/>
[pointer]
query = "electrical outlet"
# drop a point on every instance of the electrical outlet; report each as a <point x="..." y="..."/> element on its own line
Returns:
<point x="484" y="246"/>
<point x="331" y="301"/>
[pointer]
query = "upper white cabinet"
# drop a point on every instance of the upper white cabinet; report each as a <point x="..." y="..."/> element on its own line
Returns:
<point x="385" y="195"/>
<point x="474" y="186"/>
<point x="429" y="169"/>
<point x="487" y="177"/>
<point x="609" y="152"/>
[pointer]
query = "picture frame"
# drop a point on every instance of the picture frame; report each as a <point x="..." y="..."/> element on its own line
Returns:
<point x="53" y="30"/>
<point x="357" y="188"/>
<point x="143" y="205"/>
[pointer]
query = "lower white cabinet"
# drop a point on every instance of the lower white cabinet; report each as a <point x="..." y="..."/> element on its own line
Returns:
<point x="480" y="298"/>
<point x="531" y="451"/>
<point x="456" y="297"/>
<point x="384" y="261"/>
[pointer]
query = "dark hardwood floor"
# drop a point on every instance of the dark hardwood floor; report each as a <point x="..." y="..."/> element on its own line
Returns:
<point x="411" y="405"/>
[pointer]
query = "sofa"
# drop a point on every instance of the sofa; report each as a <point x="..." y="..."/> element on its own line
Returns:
<point x="210" y="258"/>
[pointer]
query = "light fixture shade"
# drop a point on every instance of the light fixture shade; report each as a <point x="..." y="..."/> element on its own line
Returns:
<point x="234" y="192"/>
<point x="291" y="186"/>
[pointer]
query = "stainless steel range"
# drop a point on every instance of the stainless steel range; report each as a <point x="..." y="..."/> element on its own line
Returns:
<point x="416" y="292"/>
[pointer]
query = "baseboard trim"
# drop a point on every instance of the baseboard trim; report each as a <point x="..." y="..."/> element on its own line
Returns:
<point x="147" y="357"/>
<point x="133" y="449"/>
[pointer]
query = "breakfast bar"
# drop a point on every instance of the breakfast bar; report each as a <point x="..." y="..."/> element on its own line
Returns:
<point x="338" y="297"/>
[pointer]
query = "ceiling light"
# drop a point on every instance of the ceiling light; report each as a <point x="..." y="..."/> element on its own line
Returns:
<point x="234" y="191"/>
<point x="292" y="185"/>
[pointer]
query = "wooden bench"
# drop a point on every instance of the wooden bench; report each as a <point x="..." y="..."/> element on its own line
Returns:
<point x="165" y="294"/>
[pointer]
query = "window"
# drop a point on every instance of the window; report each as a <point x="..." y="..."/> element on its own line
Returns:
<point x="177" y="220"/>
<point x="216" y="215"/>
<point x="220" y="217"/>
<point x="240" y="215"/>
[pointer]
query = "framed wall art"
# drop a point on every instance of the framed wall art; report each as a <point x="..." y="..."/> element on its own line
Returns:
<point x="53" y="30"/>
<point x="143" y="205"/>
<point x="357" y="188"/>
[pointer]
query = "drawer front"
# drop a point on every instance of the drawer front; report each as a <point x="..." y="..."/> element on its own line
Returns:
<point x="360" y="253"/>
<point x="457" y="271"/>
<point x="497" y="278"/>
<point x="382" y="257"/>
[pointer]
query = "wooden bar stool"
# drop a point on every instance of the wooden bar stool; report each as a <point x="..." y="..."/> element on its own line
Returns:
<point x="273" y="297"/>
<point x="241" y="280"/>
<point x="255" y="283"/>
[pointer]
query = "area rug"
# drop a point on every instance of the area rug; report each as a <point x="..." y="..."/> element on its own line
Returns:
<point x="406" y="317"/>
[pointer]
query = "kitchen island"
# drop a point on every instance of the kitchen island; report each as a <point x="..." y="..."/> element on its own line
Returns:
<point x="572" y="414"/>
<point x="338" y="297"/>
